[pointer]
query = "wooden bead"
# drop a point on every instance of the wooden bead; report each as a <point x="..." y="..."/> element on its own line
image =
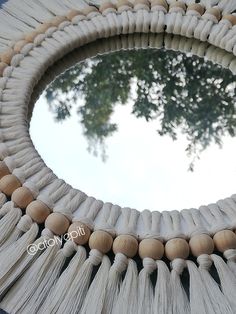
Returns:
<point x="7" y="55"/>
<point x="88" y="10"/>
<point x="3" y="169"/>
<point x="2" y="67"/>
<point x="125" y="244"/>
<point x="57" y="223"/>
<point x="161" y="3"/>
<point x="214" y="11"/>
<point x="38" y="211"/>
<point x="57" y="20"/>
<point x="101" y="241"/>
<point x="145" y="2"/>
<point x="79" y="233"/>
<point x="122" y="3"/>
<point x="177" y="248"/>
<point x="72" y="14"/>
<point x="201" y="244"/>
<point x="178" y="4"/>
<point x="19" y="45"/>
<point x="42" y="28"/>
<point x="231" y="18"/>
<point x="30" y="37"/>
<point x="9" y="183"/>
<point x="106" y="5"/>
<point x="225" y="240"/>
<point x="22" y="197"/>
<point x="151" y="248"/>
<point x="196" y="7"/>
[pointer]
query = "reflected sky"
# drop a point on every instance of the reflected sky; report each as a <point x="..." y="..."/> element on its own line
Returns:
<point x="146" y="128"/>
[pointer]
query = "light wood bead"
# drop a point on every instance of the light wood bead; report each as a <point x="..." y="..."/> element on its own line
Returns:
<point x="145" y="2"/>
<point x="57" y="20"/>
<point x="225" y="240"/>
<point x="201" y="244"/>
<point x="231" y="18"/>
<point x="9" y="183"/>
<point x="76" y="235"/>
<point x="57" y="223"/>
<point x="22" y="197"/>
<point x="3" y="169"/>
<point x="196" y="7"/>
<point x="43" y="27"/>
<point x="214" y="11"/>
<point x="125" y="244"/>
<point x="7" y="55"/>
<point x="101" y="241"/>
<point x="30" y="37"/>
<point x="88" y="10"/>
<point x="106" y="5"/>
<point x="72" y="14"/>
<point x="19" y="45"/>
<point x="2" y="67"/>
<point x="151" y="248"/>
<point x="161" y="3"/>
<point x="177" y="248"/>
<point x="38" y="211"/>
<point x="122" y="3"/>
<point x="177" y="4"/>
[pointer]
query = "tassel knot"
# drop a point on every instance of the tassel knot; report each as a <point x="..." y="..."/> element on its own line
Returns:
<point x="120" y="263"/>
<point x="25" y="223"/>
<point x="69" y="248"/>
<point x="178" y="265"/>
<point x="47" y="233"/>
<point x="230" y="255"/>
<point x="204" y="261"/>
<point x="149" y="265"/>
<point x="95" y="257"/>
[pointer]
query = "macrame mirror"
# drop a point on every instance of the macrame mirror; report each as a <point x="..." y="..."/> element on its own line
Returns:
<point x="171" y="63"/>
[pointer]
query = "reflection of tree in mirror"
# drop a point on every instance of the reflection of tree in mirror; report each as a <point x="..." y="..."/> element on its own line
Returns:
<point x="178" y="90"/>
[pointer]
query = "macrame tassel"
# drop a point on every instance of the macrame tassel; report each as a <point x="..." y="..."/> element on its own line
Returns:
<point x="227" y="280"/>
<point x="127" y="298"/>
<point x="219" y="303"/>
<point x="162" y="296"/>
<point x="76" y="294"/>
<point x="94" y="300"/>
<point x="114" y="282"/>
<point x="62" y="286"/>
<point x="145" y="287"/>
<point x="8" y="222"/>
<point x="52" y="272"/>
<point x="12" y="254"/>
<point x="180" y="302"/>
<point x="20" y="294"/>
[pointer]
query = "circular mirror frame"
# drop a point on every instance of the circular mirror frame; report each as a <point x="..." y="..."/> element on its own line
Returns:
<point x="71" y="26"/>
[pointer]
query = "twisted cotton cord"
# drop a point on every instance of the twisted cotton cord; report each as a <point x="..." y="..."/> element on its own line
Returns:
<point x="151" y="225"/>
<point x="128" y="222"/>
<point x="228" y="206"/>
<point x="193" y="221"/>
<point x="172" y="225"/>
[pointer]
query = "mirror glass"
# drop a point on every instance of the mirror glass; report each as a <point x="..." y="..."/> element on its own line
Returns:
<point x="144" y="126"/>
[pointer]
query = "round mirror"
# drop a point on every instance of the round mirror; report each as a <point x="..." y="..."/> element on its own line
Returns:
<point x="140" y="124"/>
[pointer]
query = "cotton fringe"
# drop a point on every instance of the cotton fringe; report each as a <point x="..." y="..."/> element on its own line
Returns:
<point x="162" y="297"/>
<point x="219" y="303"/>
<point x="128" y="295"/>
<point x="227" y="280"/>
<point x="22" y="292"/>
<point x="94" y="300"/>
<point x="114" y="282"/>
<point x="75" y="296"/>
<point x="180" y="303"/>
<point x="62" y="286"/>
<point x="145" y="287"/>
<point x="53" y="265"/>
<point x="12" y="254"/>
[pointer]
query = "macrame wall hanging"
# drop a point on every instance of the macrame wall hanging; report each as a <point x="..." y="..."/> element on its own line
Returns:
<point x="36" y="206"/>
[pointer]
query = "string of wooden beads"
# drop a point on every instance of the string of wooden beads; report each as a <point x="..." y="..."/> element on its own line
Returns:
<point x="101" y="241"/>
<point x="57" y="223"/>
<point x="125" y="244"/>
<point x="151" y="248"/>
<point x="225" y="240"/>
<point x="78" y="237"/>
<point x="38" y="211"/>
<point x="177" y="248"/>
<point x="215" y="12"/>
<point x="231" y="18"/>
<point x="9" y="183"/>
<point x="177" y="4"/>
<point x="196" y="7"/>
<point x="201" y="244"/>
<point x="22" y="197"/>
